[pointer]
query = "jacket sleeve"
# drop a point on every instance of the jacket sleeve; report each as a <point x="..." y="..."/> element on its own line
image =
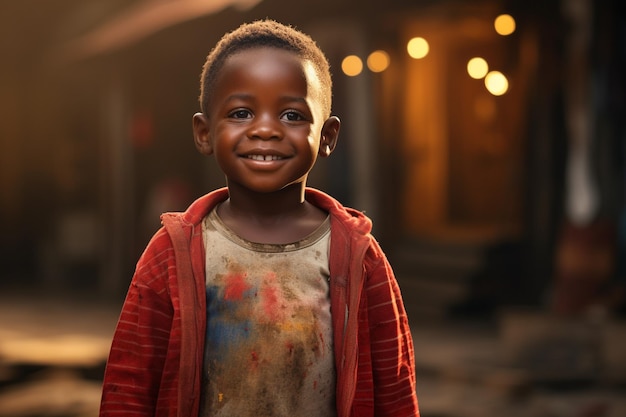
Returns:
<point x="391" y="343"/>
<point x="134" y="370"/>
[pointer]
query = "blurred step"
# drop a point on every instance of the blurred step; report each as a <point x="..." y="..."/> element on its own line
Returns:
<point x="434" y="276"/>
<point x="52" y="393"/>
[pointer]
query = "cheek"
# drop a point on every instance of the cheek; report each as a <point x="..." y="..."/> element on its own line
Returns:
<point x="221" y="152"/>
<point x="225" y="135"/>
<point x="314" y="138"/>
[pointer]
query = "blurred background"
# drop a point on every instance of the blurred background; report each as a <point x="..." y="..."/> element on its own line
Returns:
<point x="485" y="138"/>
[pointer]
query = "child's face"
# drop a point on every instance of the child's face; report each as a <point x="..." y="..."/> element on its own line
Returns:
<point x="265" y="120"/>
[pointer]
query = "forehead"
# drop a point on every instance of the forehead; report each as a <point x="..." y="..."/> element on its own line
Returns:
<point x="269" y="63"/>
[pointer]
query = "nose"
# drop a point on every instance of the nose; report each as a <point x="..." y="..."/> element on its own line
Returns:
<point x="265" y="127"/>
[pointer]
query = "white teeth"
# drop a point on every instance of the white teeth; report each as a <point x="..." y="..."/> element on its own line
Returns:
<point x="264" y="157"/>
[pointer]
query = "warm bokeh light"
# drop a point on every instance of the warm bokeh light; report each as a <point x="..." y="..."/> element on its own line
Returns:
<point x="477" y="68"/>
<point x="417" y="48"/>
<point x="496" y="83"/>
<point x="378" y="61"/>
<point x="504" y="24"/>
<point x="352" y="65"/>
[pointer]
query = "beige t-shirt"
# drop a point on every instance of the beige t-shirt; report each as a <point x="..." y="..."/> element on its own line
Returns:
<point x="269" y="349"/>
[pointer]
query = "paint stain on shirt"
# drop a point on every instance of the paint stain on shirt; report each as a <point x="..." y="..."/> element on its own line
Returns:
<point x="235" y="286"/>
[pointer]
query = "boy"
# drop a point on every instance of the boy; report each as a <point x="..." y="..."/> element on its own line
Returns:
<point x="265" y="298"/>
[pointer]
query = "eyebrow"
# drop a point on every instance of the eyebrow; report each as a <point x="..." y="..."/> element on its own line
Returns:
<point x="238" y="96"/>
<point x="245" y="96"/>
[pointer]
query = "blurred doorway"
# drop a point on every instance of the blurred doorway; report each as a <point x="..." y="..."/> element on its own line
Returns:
<point x="463" y="146"/>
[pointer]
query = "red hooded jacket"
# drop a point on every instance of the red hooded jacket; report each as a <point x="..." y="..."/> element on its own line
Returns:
<point x="155" y="363"/>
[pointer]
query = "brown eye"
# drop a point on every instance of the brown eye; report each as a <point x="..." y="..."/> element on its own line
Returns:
<point x="293" y="116"/>
<point x="240" y="114"/>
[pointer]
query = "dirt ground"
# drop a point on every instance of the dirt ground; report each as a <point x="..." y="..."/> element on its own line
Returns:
<point x="53" y="351"/>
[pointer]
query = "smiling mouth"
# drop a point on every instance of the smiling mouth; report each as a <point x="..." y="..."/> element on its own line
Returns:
<point x="264" y="157"/>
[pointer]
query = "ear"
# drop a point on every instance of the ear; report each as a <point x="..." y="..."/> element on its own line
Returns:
<point x="330" y="134"/>
<point x="201" y="135"/>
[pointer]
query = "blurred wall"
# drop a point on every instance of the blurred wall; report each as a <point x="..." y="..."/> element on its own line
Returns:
<point x="98" y="140"/>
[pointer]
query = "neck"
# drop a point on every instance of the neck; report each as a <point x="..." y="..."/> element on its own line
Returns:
<point x="264" y="207"/>
<point x="278" y="217"/>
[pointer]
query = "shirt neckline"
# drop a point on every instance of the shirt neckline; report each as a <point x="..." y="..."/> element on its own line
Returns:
<point x="314" y="237"/>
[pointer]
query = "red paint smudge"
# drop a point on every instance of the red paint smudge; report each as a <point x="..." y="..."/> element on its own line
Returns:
<point x="235" y="287"/>
<point x="270" y="301"/>
<point x="255" y="360"/>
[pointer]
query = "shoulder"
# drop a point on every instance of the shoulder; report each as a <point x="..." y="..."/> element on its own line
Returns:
<point x="159" y="245"/>
<point x="349" y="219"/>
<point x="156" y="259"/>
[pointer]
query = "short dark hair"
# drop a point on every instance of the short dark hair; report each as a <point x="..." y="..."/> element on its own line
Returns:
<point x="265" y="33"/>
